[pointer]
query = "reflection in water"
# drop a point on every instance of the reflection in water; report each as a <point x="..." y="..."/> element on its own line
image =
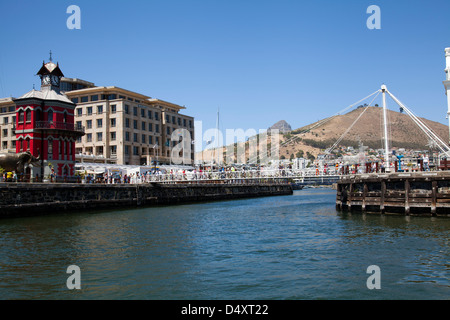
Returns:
<point x="289" y="247"/>
<point x="416" y="249"/>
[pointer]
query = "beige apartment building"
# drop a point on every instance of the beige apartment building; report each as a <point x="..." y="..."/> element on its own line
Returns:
<point x="7" y="125"/>
<point x="126" y="127"/>
<point x="121" y="126"/>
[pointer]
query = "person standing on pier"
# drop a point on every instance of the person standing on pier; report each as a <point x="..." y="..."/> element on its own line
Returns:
<point x="426" y="165"/>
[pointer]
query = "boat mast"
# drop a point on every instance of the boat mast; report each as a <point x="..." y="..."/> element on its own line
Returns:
<point x="386" y="142"/>
<point x="217" y="130"/>
<point x="216" y="149"/>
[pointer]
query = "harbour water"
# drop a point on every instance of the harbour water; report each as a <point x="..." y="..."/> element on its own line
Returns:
<point x="285" y="247"/>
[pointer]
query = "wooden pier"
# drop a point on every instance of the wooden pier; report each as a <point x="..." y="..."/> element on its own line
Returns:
<point x="406" y="193"/>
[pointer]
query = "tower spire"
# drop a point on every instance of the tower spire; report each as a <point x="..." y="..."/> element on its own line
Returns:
<point x="51" y="59"/>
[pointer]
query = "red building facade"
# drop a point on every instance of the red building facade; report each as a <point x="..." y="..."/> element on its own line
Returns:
<point x="45" y="125"/>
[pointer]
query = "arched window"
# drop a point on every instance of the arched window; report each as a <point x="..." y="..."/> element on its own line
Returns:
<point x="20" y="116"/>
<point x="65" y="117"/>
<point x="28" y="115"/>
<point x="38" y="116"/>
<point x="28" y="144"/>
<point x="50" y="116"/>
<point x="50" y="147"/>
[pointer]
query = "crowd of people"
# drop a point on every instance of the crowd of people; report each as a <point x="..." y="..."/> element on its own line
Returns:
<point x="10" y="177"/>
<point x="229" y="172"/>
<point x="180" y="175"/>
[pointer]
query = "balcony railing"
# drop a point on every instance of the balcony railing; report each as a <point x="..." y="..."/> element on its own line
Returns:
<point x="59" y="126"/>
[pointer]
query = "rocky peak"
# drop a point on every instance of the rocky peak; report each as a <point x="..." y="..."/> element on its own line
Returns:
<point x="282" y="125"/>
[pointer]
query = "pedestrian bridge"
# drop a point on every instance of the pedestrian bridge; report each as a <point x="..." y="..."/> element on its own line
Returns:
<point x="283" y="176"/>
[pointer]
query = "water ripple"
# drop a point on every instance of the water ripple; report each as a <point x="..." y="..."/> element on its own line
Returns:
<point x="289" y="247"/>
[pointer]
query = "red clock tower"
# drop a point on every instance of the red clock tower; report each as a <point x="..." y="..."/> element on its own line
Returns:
<point x="45" y="125"/>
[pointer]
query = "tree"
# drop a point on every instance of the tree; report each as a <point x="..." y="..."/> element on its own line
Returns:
<point x="300" y="154"/>
<point x="310" y="156"/>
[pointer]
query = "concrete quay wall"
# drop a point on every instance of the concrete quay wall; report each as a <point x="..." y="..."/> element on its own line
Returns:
<point x="25" y="199"/>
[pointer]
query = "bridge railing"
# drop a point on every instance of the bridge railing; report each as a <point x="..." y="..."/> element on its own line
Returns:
<point x="275" y="176"/>
<point x="239" y="177"/>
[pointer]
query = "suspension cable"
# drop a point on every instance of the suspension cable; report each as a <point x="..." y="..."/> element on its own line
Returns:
<point x="434" y="137"/>
<point x="323" y="121"/>
<point x="329" y="150"/>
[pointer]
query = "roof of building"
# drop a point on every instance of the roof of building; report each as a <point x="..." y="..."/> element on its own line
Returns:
<point x="166" y="103"/>
<point x="46" y="95"/>
<point x="50" y="68"/>
<point x="7" y="101"/>
<point x="113" y="89"/>
<point x="78" y="81"/>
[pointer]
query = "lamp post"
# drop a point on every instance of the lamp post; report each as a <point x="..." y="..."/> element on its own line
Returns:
<point x="156" y="147"/>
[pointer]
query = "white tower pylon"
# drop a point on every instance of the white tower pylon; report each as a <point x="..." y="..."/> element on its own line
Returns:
<point x="386" y="138"/>
<point x="447" y="82"/>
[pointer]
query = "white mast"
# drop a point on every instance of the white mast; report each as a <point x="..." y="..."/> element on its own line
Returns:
<point x="386" y="140"/>
<point x="218" y="153"/>
<point x="216" y="148"/>
<point x="447" y="81"/>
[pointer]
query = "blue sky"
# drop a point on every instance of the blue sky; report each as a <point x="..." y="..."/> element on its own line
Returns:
<point x="258" y="61"/>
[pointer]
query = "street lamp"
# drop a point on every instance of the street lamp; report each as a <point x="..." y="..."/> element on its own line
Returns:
<point x="156" y="147"/>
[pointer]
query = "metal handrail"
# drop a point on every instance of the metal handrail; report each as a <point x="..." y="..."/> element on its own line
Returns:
<point x="59" y="126"/>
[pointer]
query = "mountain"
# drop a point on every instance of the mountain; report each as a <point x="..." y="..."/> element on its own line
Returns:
<point x="282" y="125"/>
<point x="367" y="130"/>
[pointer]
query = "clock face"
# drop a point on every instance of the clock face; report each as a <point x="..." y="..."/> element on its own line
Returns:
<point x="55" y="80"/>
<point x="46" y="80"/>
